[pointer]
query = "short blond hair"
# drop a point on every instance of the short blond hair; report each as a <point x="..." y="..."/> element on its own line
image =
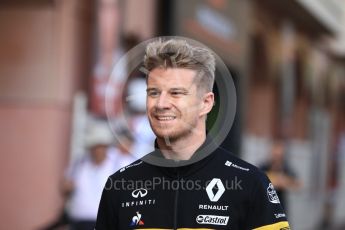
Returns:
<point x="178" y="53"/>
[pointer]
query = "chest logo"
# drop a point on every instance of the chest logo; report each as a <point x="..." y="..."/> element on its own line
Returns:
<point x="215" y="189"/>
<point x="211" y="219"/>
<point x="140" y="192"/>
<point x="136" y="220"/>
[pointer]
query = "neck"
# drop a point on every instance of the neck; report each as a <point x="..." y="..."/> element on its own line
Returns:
<point x="182" y="148"/>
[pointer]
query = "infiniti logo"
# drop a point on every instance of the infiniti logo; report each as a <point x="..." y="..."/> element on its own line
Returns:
<point x="140" y="192"/>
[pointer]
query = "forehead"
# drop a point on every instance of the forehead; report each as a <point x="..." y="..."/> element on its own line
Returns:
<point x="171" y="77"/>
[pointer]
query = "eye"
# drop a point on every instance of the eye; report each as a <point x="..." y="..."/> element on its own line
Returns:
<point x="177" y="93"/>
<point x="152" y="93"/>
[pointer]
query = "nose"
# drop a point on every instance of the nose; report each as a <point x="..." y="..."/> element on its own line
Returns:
<point x="163" y="101"/>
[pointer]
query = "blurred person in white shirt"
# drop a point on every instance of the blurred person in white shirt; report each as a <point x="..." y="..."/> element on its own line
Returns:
<point x="85" y="179"/>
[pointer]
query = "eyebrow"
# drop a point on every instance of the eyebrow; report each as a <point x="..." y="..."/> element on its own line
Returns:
<point x="179" y="89"/>
<point x="151" y="89"/>
<point x="176" y="88"/>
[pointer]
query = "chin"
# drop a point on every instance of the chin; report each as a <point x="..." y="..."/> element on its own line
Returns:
<point x="171" y="136"/>
<point x="166" y="136"/>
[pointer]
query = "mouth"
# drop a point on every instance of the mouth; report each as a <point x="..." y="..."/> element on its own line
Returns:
<point x="163" y="118"/>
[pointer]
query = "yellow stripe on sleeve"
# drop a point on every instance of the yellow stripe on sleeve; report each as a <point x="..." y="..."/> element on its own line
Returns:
<point x="172" y="229"/>
<point x="283" y="225"/>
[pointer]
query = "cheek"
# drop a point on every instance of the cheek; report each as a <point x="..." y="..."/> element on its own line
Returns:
<point x="149" y="104"/>
<point x="193" y="106"/>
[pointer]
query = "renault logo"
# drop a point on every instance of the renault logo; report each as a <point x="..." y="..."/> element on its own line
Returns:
<point x="209" y="189"/>
<point x="140" y="192"/>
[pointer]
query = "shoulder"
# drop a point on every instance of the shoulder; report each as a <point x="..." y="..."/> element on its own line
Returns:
<point x="255" y="182"/>
<point x="135" y="170"/>
<point x="230" y="161"/>
<point x="234" y="166"/>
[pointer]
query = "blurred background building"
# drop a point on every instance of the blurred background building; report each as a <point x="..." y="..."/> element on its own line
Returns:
<point x="287" y="60"/>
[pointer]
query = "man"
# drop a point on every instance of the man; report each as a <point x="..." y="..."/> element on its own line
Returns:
<point x="279" y="172"/>
<point x="85" y="178"/>
<point x="217" y="191"/>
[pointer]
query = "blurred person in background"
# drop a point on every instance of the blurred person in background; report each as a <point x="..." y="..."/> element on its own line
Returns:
<point x="85" y="179"/>
<point x="279" y="172"/>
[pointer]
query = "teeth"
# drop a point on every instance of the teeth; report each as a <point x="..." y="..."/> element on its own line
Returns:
<point x="165" y="118"/>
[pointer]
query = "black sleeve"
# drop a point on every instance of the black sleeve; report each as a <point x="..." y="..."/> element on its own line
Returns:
<point x="266" y="212"/>
<point x="106" y="214"/>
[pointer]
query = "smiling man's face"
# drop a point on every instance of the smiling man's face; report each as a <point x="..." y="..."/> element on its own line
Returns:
<point x="173" y="104"/>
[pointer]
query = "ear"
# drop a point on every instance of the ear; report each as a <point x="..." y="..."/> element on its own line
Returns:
<point x="207" y="103"/>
